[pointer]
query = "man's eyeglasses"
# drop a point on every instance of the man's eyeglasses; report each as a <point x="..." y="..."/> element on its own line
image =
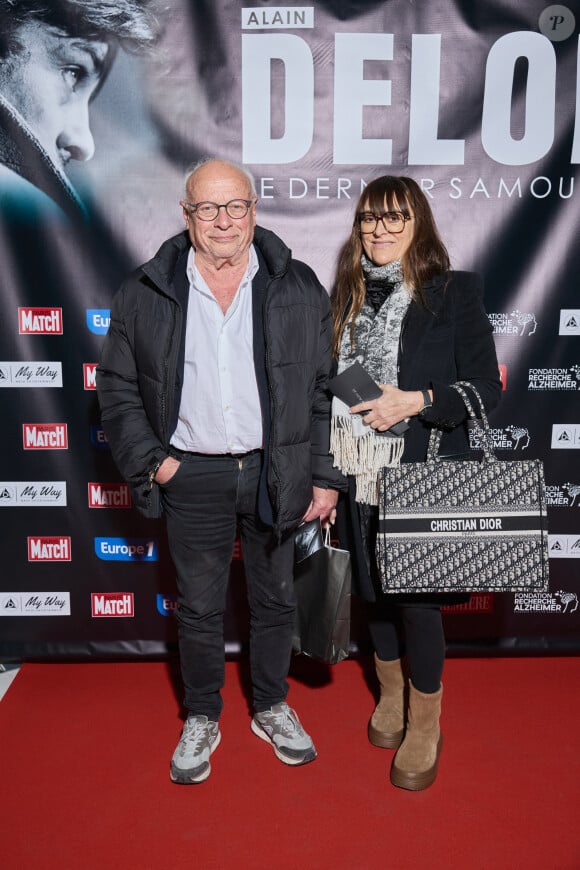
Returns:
<point x="393" y="221"/>
<point x="208" y="211"/>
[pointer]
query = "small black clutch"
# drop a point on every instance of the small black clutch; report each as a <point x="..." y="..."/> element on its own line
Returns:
<point x="355" y="385"/>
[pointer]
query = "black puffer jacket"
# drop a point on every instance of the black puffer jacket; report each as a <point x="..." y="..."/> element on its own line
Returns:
<point x="140" y="375"/>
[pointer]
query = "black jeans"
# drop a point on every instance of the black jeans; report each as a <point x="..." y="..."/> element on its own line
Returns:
<point x="205" y="502"/>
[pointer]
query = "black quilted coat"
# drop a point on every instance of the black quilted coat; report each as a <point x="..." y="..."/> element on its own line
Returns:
<point x="140" y="375"/>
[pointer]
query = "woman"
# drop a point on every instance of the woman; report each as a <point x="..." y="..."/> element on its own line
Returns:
<point x="416" y="327"/>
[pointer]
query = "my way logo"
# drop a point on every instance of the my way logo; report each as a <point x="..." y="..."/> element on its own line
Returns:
<point x="554" y="379"/>
<point x="45" y="436"/>
<point x="40" y="321"/>
<point x="109" y="495"/>
<point x="517" y="323"/>
<point x="569" y="321"/>
<point x="119" y="604"/>
<point x="30" y="374"/>
<point x="98" y="320"/>
<point x="565" y="436"/>
<point x="49" y="549"/>
<point x="35" y="604"/>
<point x="509" y="438"/>
<point x="564" y="546"/>
<point x="45" y="493"/>
<point x="127" y="549"/>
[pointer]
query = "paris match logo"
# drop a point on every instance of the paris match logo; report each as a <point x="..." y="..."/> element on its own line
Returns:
<point x="112" y="604"/>
<point x="45" y="436"/>
<point x="40" y="321"/>
<point x="109" y="495"/>
<point x="89" y="376"/>
<point x="49" y="549"/>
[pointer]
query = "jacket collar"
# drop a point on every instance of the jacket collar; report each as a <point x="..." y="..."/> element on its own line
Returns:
<point x="161" y="268"/>
<point x="272" y="253"/>
<point x="275" y="253"/>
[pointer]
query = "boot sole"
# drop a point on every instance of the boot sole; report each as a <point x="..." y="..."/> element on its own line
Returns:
<point x="385" y="739"/>
<point x="416" y="781"/>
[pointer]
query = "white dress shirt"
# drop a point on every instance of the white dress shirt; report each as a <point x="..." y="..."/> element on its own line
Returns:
<point x="220" y="406"/>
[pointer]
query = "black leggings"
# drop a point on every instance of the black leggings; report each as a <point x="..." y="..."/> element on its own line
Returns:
<point x="414" y="630"/>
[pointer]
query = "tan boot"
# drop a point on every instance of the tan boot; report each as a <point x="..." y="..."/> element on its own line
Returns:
<point x="415" y="764"/>
<point x="387" y="724"/>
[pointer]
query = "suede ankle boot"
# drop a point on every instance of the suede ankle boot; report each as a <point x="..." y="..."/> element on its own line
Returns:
<point x="415" y="764"/>
<point x="387" y="724"/>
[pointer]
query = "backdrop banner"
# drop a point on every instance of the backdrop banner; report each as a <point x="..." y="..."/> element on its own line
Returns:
<point x="478" y="100"/>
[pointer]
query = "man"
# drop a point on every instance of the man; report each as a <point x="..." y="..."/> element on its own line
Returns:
<point x="212" y="386"/>
<point x="53" y="59"/>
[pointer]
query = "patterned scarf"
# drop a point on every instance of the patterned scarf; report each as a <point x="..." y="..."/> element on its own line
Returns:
<point x="359" y="450"/>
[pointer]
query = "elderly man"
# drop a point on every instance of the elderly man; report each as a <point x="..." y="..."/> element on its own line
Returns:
<point x="212" y="386"/>
<point x="53" y="59"/>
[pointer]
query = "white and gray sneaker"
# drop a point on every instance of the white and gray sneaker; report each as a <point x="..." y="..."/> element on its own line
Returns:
<point x="281" y="727"/>
<point x="199" y="738"/>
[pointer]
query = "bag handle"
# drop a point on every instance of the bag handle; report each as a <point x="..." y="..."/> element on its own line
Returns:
<point x="481" y="423"/>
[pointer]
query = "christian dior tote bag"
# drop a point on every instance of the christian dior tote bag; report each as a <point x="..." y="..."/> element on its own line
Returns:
<point x="463" y="526"/>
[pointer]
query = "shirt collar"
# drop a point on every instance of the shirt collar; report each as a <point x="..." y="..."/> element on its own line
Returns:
<point x="195" y="279"/>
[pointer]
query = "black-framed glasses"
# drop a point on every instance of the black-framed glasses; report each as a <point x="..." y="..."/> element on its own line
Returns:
<point x="393" y="221"/>
<point x="208" y="211"/>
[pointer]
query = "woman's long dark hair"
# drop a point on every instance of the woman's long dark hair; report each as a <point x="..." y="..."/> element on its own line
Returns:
<point x="426" y="257"/>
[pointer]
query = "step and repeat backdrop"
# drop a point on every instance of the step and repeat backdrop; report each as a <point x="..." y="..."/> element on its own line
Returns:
<point x="103" y="105"/>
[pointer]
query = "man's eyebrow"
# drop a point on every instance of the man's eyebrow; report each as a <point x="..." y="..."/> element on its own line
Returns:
<point x="90" y="46"/>
<point x="97" y="49"/>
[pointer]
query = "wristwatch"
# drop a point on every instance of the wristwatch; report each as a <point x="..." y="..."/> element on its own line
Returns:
<point x="427" y="403"/>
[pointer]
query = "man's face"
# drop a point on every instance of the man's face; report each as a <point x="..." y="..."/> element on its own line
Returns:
<point x="50" y="82"/>
<point x="225" y="238"/>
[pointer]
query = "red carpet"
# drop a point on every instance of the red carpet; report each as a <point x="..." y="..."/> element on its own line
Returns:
<point x="85" y="752"/>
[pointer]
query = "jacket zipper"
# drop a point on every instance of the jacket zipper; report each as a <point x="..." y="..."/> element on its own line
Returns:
<point x="272" y="406"/>
<point x="169" y="365"/>
<point x="166" y="368"/>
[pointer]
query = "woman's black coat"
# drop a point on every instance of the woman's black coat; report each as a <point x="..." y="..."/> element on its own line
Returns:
<point x="447" y="340"/>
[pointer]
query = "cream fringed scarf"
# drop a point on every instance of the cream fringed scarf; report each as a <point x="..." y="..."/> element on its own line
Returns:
<point x="359" y="450"/>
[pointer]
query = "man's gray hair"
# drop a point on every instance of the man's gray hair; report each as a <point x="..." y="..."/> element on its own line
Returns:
<point x="195" y="166"/>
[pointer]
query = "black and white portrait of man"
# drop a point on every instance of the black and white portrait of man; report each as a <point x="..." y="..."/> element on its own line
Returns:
<point x="54" y="57"/>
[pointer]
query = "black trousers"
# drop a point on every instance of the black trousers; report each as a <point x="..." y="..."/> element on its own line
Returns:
<point x="206" y="502"/>
<point x="415" y="631"/>
<point x="403" y="624"/>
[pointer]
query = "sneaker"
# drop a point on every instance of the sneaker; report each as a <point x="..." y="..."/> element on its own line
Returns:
<point x="281" y="727"/>
<point x="199" y="738"/>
